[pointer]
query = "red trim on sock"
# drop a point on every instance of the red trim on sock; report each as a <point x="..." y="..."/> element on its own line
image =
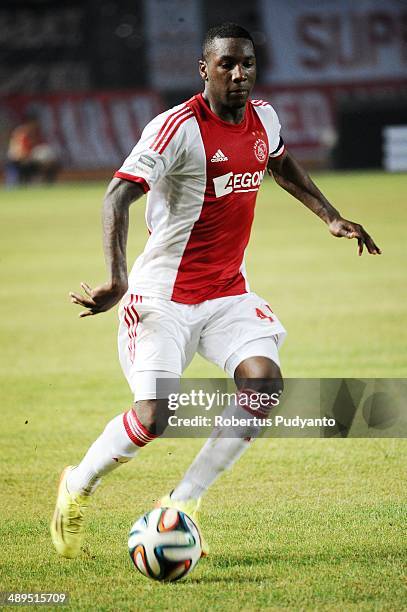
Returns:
<point x="140" y="424"/>
<point x="261" y="411"/>
<point x="138" y="434"/>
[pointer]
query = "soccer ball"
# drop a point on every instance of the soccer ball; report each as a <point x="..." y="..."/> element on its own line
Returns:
<point x="164" y="544"/>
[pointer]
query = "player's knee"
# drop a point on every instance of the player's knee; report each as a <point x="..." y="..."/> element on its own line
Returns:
<point x="260" y="374"/>
<point x="153" y="414"/>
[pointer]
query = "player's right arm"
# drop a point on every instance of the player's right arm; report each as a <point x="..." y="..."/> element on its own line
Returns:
<point x="115" y="220"/>
<point x="154" y="156"/>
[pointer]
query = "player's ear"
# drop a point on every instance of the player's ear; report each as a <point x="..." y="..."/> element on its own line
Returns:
<point x="203" y="69"/>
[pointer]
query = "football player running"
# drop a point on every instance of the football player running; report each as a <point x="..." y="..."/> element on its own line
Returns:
<point x="202" y="163"/>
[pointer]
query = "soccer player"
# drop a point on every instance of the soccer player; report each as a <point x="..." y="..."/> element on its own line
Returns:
<point x="201" y="163"/>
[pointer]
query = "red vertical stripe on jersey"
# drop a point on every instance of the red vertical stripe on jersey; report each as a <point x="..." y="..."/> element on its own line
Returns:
<point x="211" y="263"/>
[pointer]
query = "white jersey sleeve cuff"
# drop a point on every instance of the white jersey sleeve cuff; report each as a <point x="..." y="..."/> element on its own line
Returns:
<point x="279" y="150"/>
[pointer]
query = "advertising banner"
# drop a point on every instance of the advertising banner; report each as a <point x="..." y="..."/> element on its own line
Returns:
<point x="87" y="131"/>
<point x="333" y="42"/>
<point x="321" y="54"/>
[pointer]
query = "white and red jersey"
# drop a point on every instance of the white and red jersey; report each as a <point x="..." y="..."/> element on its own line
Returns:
<point x="202" y="175"/>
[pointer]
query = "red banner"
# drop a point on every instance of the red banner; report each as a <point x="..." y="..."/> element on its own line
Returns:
<point x="87" y="130"/>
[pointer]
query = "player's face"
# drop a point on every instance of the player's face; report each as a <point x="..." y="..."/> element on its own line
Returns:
<point x="230" y="71"/>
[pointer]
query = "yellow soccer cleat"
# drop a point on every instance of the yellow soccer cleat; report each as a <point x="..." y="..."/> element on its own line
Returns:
<point x="189" y="507"/>
<point x="67" y="523"/>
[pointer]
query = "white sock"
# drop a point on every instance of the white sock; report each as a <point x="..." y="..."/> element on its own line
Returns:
<point x="218" y="454"/>
<point x="118" y="444"/>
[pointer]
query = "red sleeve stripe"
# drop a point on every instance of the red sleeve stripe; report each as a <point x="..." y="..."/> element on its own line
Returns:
<point x="134" y="179"/>
<point x="168" y="119"/>
<point x="161" y="143"/>
<point x="259" y="103"/>
<point x="171" y="135"/>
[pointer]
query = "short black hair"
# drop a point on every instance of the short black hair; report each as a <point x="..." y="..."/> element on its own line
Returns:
<point x="224" y="30"/>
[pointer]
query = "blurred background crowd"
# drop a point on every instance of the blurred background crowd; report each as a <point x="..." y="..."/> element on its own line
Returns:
<point x="79" y="79"/>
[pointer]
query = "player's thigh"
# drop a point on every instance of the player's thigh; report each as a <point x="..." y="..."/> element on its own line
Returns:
<point x="241" y="327"/>
<point x="153" y="337"/>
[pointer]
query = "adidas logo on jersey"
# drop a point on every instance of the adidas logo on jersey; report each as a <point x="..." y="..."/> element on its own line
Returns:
<point x="219" y="157"/>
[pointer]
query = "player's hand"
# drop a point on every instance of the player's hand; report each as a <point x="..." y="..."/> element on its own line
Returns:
<point x="341" y="228"/>
<point x="99" y="299"/>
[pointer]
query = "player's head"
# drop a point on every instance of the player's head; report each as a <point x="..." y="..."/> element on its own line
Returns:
<point x="228" y="64"/>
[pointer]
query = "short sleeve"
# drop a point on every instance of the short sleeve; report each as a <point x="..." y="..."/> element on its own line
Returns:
<point x="158" y="150"/>
<point x="271" y="123"/>
<point x="276" y="143"/>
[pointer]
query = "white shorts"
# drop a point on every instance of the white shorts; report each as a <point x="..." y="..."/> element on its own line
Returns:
<point x="161" y="335"/>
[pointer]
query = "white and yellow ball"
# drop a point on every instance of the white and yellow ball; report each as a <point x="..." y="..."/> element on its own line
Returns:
<point x="164" y="544"/>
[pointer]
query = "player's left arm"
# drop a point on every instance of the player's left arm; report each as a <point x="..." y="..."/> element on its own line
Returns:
<point x="288" y="173"/>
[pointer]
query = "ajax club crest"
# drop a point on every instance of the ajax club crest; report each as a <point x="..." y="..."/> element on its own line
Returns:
<point x="260" y="150"/>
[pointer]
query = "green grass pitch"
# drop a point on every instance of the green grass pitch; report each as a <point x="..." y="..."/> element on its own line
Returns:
<point x="297" y="524"/>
